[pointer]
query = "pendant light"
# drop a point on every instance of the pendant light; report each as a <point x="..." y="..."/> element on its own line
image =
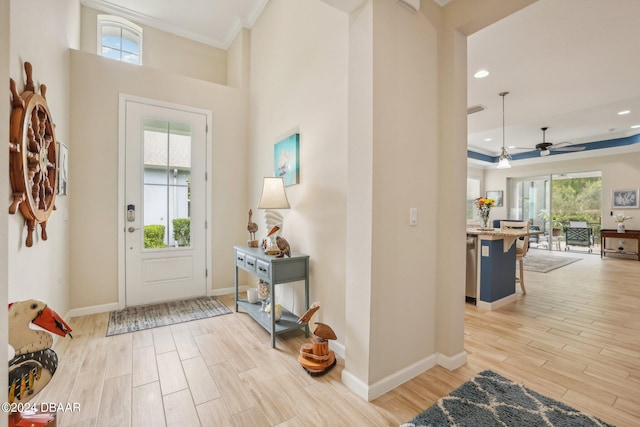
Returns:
<point x="503" y="163"/>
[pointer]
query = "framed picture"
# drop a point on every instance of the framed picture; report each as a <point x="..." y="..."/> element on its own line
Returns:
<point x="495" y="195"/>
<point x="624" y="198"/>
<point x="63" y="169"/>
<point x="286" y="159"/>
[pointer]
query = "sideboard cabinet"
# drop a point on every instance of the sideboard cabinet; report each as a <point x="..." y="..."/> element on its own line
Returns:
<point x="274" y="271"/>
<point x="614" y="234"/>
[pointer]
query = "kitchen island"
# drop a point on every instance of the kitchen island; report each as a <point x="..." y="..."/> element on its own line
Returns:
<point x="495" y="265"/>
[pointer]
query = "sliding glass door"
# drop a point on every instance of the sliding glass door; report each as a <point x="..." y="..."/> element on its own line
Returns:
<point x="530" y="199"/>
<point x="552" y="202"/>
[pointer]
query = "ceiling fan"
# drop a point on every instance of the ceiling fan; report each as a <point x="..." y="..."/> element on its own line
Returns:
<point x="545" y="147"/>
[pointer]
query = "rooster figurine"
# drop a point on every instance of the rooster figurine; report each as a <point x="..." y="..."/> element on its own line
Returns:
<point x="34" y="362"/>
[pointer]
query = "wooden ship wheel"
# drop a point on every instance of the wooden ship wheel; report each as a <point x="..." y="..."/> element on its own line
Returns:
<point x="33" y="160"/>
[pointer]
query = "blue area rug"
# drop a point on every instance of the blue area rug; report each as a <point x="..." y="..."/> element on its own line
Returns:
<point x="489" y="399"/>
<point x="142" y="317"/>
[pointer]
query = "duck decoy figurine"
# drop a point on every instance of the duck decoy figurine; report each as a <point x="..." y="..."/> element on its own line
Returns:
<point x="34" y="362"/>
<point x="316" y="358"/>
<point x="252" y="227"/>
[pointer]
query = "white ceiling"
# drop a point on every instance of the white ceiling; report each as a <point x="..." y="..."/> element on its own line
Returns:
<point x="214" y="22"/>
<point x="570" y="65"/>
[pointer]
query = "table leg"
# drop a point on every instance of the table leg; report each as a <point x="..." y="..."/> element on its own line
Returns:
<point x="236" y="288"/>
<point x="306" y="298"/>
<point x="273" y="315"/>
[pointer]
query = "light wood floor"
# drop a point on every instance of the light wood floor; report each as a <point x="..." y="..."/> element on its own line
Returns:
<point x="574" y="337"/>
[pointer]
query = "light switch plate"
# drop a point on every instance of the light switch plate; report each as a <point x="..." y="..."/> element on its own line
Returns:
<point x="413" y="216"/>
<point x="485" y="251"/>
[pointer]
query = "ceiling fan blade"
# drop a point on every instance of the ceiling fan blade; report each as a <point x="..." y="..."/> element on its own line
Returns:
<point x="568" y="148"/>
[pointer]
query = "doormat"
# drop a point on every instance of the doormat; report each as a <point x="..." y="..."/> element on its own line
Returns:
<point x="141" y="317"/>
<point x="541" y="263"/>
<point x="489" y="399"/>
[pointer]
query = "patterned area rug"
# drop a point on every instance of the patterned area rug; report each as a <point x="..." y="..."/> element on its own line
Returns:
<point x="489" y="399"/>
<point x="542" y="263"/>
<point x="142" y="317"/>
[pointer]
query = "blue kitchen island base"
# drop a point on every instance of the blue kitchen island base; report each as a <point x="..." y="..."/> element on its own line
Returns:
<point x="496" y="267"/>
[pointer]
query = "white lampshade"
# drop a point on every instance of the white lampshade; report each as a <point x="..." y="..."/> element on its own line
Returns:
<point x="273" y="194"/>
<point x="503" y="163"/>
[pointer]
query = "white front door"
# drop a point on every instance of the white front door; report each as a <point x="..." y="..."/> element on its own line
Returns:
<point x="164" y="203"/>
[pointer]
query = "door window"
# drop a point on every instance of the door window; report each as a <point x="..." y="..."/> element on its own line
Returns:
<point x="167" y="180"/>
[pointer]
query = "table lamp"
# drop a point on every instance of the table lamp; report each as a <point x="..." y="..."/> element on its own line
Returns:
<point x="273" y="197"/>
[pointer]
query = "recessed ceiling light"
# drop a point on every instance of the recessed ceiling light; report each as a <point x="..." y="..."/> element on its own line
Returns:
<point x="622" y="113"/>
<point x="511" y="146"/>
<point x="635" y="126"/>
<point x="481" y="74"/>
<point x="488" y="139"/>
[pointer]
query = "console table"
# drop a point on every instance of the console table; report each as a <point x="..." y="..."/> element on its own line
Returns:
<point x="274" y="271"/>
<point x="628" y="234"/>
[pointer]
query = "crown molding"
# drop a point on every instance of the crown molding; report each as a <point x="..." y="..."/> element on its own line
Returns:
<point x="224" y="43"/>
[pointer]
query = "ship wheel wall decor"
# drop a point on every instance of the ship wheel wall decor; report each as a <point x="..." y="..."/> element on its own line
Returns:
<point x="33" y="160"/>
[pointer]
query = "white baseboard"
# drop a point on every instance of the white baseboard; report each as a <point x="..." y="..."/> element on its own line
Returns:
<point x="225" y="291"/>
<point x="377" y="389"/>
<point x="452" y="362"/>
<point x="83" y="311"/>
<point x="355" y="384"/>
<point x="338" y="348"/>
<point x="496" y="304"/>
<point x="388" y="383"/>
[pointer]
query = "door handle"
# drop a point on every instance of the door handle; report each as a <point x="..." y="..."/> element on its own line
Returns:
<point x="132" y="229"/>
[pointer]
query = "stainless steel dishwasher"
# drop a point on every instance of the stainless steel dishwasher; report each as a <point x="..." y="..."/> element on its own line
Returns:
<point x="472" y="269"/>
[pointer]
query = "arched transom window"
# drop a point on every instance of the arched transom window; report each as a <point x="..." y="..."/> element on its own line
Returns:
<point x="119" y="39"/>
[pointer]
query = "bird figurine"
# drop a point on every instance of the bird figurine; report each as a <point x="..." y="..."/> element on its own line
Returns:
<point x="283" y="245"/>
<point x="273" y="231"/>
<point x="272" y="247"/>
<point x="252" y="227"/>
<point x="34" y="362"/>
<point x="315" y="357"/>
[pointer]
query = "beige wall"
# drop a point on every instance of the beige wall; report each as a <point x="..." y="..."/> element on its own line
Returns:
<point x="165" y="51"/>
<point x="299" y="84"/>
<point x="97" y="83"/>
<point x="42" y="271"/>
<point x="387" y="119"/>
<point x="238" y="61"/>
<point x="405" y="168"/>
<point x="359" y="214"/>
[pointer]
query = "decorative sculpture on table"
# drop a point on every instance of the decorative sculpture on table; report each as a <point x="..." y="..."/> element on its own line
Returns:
<point x="281" y="247"/>
<point x="252" y="227"/>
<point x="33" y="159"/>
<point x="315" y="357"/>
<point x="34" y="362"/>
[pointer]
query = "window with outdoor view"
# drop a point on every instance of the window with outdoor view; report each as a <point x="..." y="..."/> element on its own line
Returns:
<point x="119" y="39"/>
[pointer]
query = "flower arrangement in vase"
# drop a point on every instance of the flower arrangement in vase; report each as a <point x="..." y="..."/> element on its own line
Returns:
<point x="484" y="206"/>
<point x="620" y="219"/>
